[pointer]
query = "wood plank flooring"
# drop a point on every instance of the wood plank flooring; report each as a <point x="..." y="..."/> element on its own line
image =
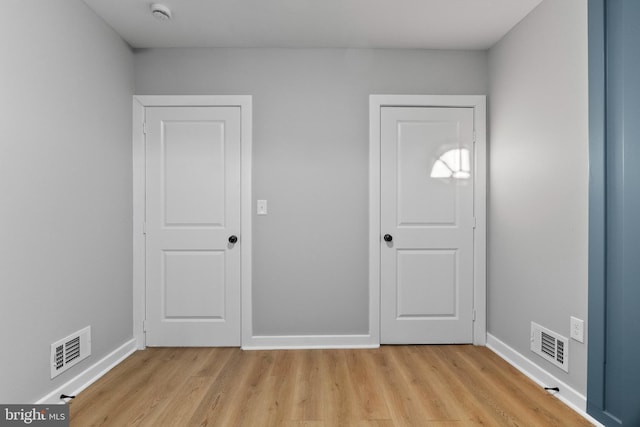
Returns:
<point x="423" y="386"/>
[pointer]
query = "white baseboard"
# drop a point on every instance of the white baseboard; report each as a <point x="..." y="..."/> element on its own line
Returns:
<point x="568" y="395"/>
<point x="91" y="374"/>
<point x="285" y="342"/>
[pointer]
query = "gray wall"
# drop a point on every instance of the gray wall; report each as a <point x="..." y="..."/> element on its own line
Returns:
<point x="310" y="134"/>
<point x="539" y="181"/>
<point x="65" y="178"/>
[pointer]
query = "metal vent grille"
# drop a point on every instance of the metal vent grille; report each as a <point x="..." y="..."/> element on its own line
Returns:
<point x="550" y="345"/>
<point x="59" y="360"/>
<point x="560" y="352"/>
<point x="69" y="351"/>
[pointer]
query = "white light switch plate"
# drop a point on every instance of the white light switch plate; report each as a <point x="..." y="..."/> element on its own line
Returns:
<point x="577" y="329"/>
<point x="262" y="207"/>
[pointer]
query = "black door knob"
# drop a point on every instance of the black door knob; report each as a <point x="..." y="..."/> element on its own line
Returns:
<point x="233" y="239"/>
<point x="387" y="238"/>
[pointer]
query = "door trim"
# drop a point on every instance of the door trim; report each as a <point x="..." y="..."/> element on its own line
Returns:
<point x="478" y="103"/>
<point x="139" y="185"/>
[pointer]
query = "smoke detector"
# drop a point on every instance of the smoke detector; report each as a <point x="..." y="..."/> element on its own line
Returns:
<point x="160" y="12"/>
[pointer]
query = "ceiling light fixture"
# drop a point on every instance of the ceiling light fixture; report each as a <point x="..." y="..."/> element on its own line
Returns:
<point x="160" y="12"/>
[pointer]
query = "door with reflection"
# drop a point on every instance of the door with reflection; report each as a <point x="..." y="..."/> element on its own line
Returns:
<point x="427" y="223"/>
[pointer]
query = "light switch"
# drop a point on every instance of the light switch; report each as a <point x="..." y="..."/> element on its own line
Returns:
<point x="262" y="207"/>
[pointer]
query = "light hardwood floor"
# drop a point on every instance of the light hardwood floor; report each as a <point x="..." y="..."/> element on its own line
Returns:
<point x="417" y="386"/>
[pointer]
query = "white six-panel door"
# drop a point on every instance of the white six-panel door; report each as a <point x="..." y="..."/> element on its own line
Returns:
<point x="192" y="216"/>
<point x="427" y="223"/>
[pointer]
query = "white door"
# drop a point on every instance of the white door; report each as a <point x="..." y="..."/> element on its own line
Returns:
<point x="427" y="225"/>
<point x="193" y="226"/>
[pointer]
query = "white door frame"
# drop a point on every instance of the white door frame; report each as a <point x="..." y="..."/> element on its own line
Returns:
<point x="139" y="189"/>
<point x="478" y="103"/>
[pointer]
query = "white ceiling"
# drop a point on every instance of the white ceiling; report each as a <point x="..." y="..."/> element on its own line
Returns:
<point x="424" y="24"/>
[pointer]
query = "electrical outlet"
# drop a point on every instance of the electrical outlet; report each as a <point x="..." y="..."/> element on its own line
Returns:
<point x="577" y="329"/>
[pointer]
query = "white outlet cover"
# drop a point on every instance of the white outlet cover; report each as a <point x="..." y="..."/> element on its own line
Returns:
<point x="577" y="329"/>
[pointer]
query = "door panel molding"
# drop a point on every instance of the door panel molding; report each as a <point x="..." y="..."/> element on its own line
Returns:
<point x="478" y="103"/>
<point x="139" y="189"/>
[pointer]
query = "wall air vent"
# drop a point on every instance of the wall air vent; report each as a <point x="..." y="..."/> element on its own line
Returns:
<point x="69" y="351"/>
<point x="550" y="346"/>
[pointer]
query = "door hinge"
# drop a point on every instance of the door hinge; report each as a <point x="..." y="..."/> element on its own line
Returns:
<point x="474" y="315"/>
<point x="144" y="228"/>
<point x="474" y="136"/>
<point x="475" y="223"/>
<point x="144" y="326"/>
<point x="144" y="128"/>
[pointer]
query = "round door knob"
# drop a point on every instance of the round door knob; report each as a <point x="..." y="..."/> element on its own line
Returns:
<point x="233" y="239"/>
<point x="387" y="238"/>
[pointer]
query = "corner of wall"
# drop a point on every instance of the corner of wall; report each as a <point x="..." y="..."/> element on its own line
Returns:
<point x="538" y="201"/>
